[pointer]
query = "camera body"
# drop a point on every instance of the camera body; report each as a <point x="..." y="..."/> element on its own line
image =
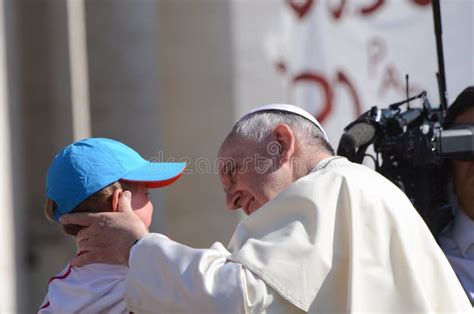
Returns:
<point x="411" y="150"/>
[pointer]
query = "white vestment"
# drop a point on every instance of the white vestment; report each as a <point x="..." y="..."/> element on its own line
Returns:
<point x="341" y="239"/>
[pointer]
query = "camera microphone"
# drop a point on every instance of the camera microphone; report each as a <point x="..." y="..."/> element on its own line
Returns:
<point x="359" y="134"/>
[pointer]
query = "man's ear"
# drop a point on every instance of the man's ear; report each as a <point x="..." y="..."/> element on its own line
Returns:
<point x="286" y="140"/>
<point x="115" y="199"/>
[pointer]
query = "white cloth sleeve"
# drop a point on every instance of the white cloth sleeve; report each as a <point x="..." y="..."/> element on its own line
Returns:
<point x="168" y="277"/>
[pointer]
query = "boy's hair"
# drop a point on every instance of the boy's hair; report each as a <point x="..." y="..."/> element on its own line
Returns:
<point x="98" y="202"/>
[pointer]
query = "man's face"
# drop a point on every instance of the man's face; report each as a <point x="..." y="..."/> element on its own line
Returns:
<point x="251" y="175"/>
<point x="463" y="173"/>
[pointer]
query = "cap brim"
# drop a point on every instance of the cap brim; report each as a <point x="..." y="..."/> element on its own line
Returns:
<point x="156" y="174"/>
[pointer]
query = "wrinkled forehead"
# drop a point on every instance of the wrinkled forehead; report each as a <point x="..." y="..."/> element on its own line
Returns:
<point x="232" y="147"/>
<point x="231" y="150"/>
<point x="234" y="150"/>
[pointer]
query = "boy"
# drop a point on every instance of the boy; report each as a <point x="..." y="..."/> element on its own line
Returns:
<point x="90" y="176"/>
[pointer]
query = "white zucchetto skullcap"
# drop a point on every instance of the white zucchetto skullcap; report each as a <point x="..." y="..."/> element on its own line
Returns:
<point x="292" y="109"/>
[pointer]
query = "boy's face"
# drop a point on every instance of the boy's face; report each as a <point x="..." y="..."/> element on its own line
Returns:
<point x="141" y="204"/>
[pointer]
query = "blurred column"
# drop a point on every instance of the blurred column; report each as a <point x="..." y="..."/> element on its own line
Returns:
<point x="79" y="69"/>
<point x="7" y="262"/>
<point x="40" y="117"/>
<point x="122" y="48"/>
<point x="196" y="111"/>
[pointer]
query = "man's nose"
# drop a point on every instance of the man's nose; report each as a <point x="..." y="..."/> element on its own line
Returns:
<point x="233" y="199"/>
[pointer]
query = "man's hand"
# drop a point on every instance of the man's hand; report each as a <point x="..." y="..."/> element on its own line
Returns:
<point x="107" y="237"/>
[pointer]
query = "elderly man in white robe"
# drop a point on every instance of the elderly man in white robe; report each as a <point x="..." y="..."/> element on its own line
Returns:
<point x="322" y="235"/>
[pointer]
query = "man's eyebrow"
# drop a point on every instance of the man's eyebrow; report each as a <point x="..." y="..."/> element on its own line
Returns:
<point x="228" y="167"/>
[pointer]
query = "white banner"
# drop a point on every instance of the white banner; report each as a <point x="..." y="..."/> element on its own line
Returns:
<point x="341" y="57"/>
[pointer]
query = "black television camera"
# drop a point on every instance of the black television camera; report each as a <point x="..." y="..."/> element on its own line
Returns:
<point x="410" y="148"/>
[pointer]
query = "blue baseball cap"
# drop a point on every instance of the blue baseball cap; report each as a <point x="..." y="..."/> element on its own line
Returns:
<point x="89" y="165"/>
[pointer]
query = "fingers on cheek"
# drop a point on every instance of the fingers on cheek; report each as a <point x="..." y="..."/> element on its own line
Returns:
<point x="96" y="230"/>
<point x="81" y="236"/>
<point x="82" y="245"/>
<point x="91" y="231"/>
<point x="104" y="220"/>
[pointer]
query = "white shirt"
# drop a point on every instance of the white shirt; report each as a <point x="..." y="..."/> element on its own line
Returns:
<point x="457" y="242"/>
<point x="341" y="239"/>
<point x="93" y="288"/>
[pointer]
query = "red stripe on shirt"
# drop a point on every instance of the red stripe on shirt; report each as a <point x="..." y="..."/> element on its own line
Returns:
<point x="63" y="276"/>
<point x="44" y="306"/>
<point x="67" y="273"/>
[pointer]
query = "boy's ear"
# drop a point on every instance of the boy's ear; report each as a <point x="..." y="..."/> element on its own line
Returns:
<point x="115" y="199"/>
